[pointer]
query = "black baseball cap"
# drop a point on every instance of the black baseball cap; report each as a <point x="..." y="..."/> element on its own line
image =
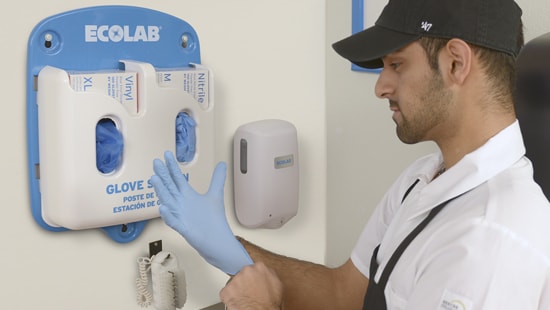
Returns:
<point x="493" y="24"/>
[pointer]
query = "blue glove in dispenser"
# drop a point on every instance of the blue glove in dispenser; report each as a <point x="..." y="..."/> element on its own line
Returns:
<point x="110" y="88"/>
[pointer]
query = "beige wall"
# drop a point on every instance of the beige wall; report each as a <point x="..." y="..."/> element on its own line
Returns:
<point x="267" y="57"/>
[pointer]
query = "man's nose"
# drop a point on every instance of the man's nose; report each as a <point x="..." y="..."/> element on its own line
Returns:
<point x="384" y="86"/>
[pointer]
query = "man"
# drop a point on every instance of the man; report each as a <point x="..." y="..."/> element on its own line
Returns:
<point x="464" y="228"/>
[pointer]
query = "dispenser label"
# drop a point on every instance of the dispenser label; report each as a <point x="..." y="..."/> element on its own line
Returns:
<point x="134" y="195"/>
<point x="119" y="85"/>
<point x="284" y="161"/>
<point x="193" y="80"/>
<point x="117" y="33"/>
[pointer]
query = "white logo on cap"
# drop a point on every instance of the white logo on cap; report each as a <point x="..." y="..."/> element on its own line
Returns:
<point x="426" y="26"/>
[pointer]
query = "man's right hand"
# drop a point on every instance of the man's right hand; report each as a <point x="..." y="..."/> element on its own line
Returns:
<point x="255" y="287"/>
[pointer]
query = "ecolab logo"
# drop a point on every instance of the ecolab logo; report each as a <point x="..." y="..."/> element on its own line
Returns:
<point x="117" y="33"/>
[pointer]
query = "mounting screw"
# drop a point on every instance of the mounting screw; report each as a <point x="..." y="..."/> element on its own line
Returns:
<point x="48" y="40"/>
<point x="184" y="41"/>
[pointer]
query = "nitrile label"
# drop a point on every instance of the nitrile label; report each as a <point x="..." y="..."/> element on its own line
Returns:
<point x="192" y="80"/>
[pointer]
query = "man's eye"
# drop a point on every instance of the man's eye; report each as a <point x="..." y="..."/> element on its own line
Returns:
<point x="395" y="65"/>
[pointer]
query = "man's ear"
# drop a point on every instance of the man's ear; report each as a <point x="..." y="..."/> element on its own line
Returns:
<point x="457" y="57"/>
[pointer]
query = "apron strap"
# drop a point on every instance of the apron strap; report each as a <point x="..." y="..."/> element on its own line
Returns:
<point x="409" y="190"/>
<point x="374" y="298"/>
<point x="405" y="243"/>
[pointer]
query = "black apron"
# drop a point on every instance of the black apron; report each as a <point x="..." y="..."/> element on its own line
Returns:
<point x="374" y="298"/>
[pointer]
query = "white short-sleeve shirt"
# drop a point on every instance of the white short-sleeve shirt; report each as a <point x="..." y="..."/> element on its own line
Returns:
<point x="487" y="249"/>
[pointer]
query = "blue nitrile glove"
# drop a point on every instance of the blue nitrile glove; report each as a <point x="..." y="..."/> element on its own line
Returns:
<point x="109" y="145"/>
<point x="185" y="137"/>
<point x="200" y="219"/>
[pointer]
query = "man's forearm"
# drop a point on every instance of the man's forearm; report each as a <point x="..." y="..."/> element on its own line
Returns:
<point x="306" y="285"/>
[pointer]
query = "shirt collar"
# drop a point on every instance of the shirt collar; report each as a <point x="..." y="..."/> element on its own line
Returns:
<point x="497" y="154"/>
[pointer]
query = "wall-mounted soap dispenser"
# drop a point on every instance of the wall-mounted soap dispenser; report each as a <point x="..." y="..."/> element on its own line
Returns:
<point x="266" y="173"/>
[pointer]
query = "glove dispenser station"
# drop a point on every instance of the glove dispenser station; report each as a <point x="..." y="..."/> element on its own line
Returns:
<point x="150" y="64"/>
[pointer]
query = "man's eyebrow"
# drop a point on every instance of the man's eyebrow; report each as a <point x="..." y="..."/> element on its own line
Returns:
<point x="391" y="55"/>
<point x="396" y="52"/>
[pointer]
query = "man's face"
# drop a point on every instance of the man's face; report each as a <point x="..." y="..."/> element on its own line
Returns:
<point x="418" y="96"/>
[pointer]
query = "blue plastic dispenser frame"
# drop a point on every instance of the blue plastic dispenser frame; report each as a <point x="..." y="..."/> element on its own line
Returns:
<point x="67" y="191"/>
